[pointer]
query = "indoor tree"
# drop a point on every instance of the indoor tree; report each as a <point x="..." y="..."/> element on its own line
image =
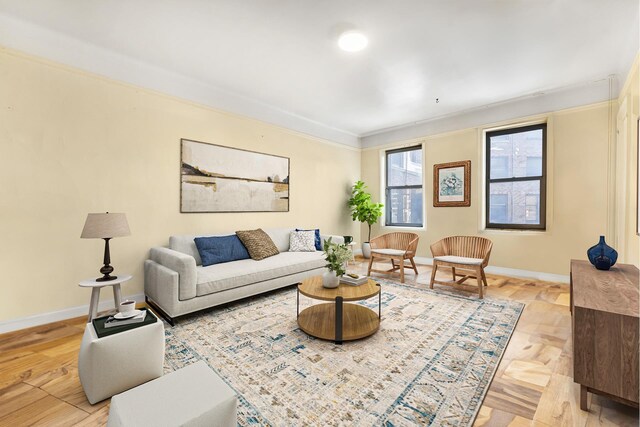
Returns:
<point x="364" y="210"/>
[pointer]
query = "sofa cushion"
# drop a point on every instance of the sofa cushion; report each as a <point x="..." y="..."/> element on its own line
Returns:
<point x="186" y="244"/>
<point x="258" y="243"/>
<point x="318" y="241"/>
<point x="280" y="237"/>
<point x="219" y="249"/>
<point x="221" y="277"/>
<point x="302" y="241"/>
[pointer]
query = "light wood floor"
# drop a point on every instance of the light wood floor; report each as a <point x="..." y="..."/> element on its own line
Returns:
<point x="39" y="382"/>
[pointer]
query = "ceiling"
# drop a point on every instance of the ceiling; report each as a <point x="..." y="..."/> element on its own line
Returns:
<point x="278" y="61"/>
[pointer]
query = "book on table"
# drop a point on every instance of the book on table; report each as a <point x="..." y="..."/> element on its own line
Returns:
<point x="103" y="331"/>
<point x="353" y="281"/>
<point x="113" y="321"/>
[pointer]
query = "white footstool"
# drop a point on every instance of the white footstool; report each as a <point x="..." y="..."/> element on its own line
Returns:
<point x="115" y="363"/>
<point x="191" y="396"/>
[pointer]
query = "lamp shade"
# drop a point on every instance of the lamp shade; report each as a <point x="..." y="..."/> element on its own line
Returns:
<point x="105" y="226"/>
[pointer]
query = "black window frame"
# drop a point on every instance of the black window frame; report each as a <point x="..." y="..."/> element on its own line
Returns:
<point x="541" y="178"/>
<point x="387" y="219"/>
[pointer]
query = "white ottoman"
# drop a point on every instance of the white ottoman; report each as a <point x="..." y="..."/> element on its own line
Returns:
<point x="191" y="396"/>
<point x="115" y="363"/>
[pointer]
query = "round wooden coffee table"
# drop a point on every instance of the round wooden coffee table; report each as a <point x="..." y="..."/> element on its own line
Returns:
<point x="335" y="320"/>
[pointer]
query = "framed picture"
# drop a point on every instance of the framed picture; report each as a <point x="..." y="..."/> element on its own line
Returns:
<point x="214" y="178"/>
<point x="452" y="184"/>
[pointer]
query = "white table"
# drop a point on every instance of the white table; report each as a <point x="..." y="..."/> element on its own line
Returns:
<point x="352" y="246"/>
<point x="95" y="292"/>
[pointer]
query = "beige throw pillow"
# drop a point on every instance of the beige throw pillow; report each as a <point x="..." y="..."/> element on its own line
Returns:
<point x="258" y="243"/>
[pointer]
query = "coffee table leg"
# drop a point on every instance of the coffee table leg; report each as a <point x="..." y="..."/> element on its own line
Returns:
<point x="297" y="302"/>
<point x="379" y="304"/>
<point x="339" y="320"/>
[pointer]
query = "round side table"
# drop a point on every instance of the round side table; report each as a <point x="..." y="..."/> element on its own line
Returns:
<point x="95" y="292"/>
<point x="352" y="247"/>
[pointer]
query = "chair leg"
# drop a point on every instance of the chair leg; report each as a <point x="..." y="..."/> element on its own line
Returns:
<point x="393" y="264"/>
<point x="453" y="273"/>
<point x="370" y="264"/>
<point x="433" y="274"/>
<point x="484" y="277"/>
<point x="479" y="279"/>
<point x="413" y="264"/>
<point x="402" y="271"/>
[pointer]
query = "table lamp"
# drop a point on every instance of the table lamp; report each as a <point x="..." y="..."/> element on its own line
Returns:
<point x="105" y="226"/>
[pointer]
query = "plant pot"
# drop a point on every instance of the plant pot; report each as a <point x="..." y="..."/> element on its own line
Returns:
<point x="330" y="280"/>
<point x="366" y="250"/>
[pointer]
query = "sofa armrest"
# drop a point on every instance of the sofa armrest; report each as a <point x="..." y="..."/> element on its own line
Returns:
<point x="183" y="264"/>
<point x="334" y="239"/>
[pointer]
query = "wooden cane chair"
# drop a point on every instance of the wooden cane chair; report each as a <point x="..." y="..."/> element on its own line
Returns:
<point x="468" y="253"/>
<point x="395" y="247"/>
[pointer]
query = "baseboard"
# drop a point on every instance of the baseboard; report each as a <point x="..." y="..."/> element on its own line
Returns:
<point x="55" y="316"/>
<point x="68" y="313"/>
<point x="511" y="272"/>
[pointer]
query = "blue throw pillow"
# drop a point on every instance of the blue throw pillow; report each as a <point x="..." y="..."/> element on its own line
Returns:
<point x="219" y="249"/>
<point x="318" y="241"/>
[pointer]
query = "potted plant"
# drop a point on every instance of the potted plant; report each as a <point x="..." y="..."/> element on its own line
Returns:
<point x="336" y="256"/>
<point x="364" y="210"/>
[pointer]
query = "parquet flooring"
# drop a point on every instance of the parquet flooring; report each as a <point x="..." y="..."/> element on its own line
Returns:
<point x="533" y="386"/>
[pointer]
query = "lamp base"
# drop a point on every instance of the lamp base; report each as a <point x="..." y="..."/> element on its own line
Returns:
<point x="106" y="278"/>
<point x="106" y="270"/>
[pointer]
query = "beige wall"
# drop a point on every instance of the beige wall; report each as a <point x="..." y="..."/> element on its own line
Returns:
<point x="74" y="143"/>
<point x="576" y="192"/>
<point x="629" y="104"/>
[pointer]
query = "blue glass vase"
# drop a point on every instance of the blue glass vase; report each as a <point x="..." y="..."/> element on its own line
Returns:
<point x="602" y="256"/>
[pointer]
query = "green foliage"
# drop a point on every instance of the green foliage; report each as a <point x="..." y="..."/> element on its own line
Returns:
<point x="362" y="208"/>
<point x="336" y="255"/>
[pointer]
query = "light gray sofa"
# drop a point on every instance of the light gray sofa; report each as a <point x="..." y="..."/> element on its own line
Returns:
<point x="176" y="283"/>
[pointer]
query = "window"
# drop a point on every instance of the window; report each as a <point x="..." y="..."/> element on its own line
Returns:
<point x="516" y="178"/>
<point x="403" y="193"/>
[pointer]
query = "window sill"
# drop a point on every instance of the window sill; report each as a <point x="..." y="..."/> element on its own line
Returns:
<point x="404" y="228"/>
<point x="512" y="231"/>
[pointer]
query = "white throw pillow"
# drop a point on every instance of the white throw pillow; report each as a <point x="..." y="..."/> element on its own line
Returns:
<point x="302" y="241"/>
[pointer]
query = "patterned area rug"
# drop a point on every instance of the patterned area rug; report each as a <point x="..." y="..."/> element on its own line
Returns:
<point x="430" y="363"/>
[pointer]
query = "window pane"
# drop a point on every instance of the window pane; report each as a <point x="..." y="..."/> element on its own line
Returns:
<point x="515" y="202"/>
<point x="404" y="168"/>
<point x="532" y="208"/>
<point x="499" y="208"/>
<point x="534" y="166"/>
<point x="405" y="206"/>
<point x="500" y="167"/>
<point x="522" y="151"/>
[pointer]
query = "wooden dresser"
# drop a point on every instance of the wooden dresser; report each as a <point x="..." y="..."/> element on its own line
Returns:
<point x="605" y="326"/>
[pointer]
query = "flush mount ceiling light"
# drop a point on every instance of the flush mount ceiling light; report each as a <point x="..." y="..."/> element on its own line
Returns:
<point x="352" y="41"/>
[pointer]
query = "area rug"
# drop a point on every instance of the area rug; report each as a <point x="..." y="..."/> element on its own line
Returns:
<point x="430" y="363"/>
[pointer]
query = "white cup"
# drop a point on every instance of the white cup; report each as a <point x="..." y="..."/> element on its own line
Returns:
<point x="127" y="307"/>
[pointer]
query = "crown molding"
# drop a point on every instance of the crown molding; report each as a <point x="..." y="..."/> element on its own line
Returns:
<point x="35" y="40"/>
<point x="574" y="96"/>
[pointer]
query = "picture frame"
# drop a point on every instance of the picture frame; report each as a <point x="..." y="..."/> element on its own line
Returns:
<point x="217" y="178"/>
<point x="452" y="184"/>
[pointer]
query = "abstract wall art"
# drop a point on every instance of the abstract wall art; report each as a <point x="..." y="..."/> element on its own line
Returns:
<point x="215" y="178"/>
